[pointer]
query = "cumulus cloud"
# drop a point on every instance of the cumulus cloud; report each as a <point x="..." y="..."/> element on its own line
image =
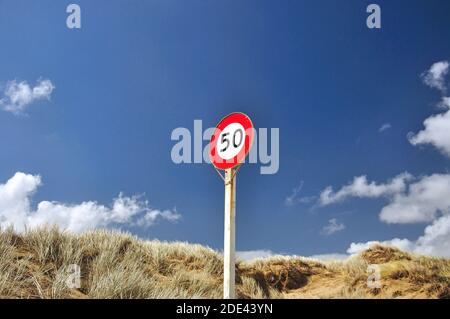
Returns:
<point x="263" y="253"/>
<point x="403" y="244"/>
<point x="19" y="95"/>
<point x="436" y="238"/>
<point x="329" y="257"/>
<point x="361" y="187"/>
<point x="425" y="199"/>
<point x="384" y="127"/>
<point x="434" y="242"/>
<point x="436" y="127"/>
<point x="410" y="200"/>
<point x="253" y="254"/>
<point x="435" y="76"/>
<point x="16" y="210"/>
<point x="444" y="103"/>
<point x="332" y="227"/>
<point x="436" y="131"/>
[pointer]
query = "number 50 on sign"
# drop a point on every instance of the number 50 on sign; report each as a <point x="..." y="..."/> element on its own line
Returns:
<point x="231" y="141"/>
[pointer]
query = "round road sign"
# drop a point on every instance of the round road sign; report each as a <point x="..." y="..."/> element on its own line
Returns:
<point x="231" y="141"/>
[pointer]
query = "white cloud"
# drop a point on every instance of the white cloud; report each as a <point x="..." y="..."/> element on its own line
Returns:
<point x="250" y="255"/>
<point x="422" y="203"/>
<point x="409" y="202"/>
<point x="403" y="244"/>
<point x="384" y="127"/>
<point x="434" y="242"/>
<point x="15" y="209"/>
<point x="295" y="197"/>
<point x="291" y="200"/>
<point x="437" y="130"/>
<point x="435" y="76"/>
<point x="253" y="254"/>
<point x="329" y="257"/>
<point x="19" y="95"/>
<point x="436" y="238"/>
<point x="444" y="103"/>
<point x="436" y="127"/>
<point x="332" y="227"/>
<point x="153" y="215"/>
<point x="360" y="187"/>
<point x="425" y="199"/>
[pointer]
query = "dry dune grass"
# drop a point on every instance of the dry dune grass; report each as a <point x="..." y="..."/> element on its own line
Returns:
<point x="36" y="264"/>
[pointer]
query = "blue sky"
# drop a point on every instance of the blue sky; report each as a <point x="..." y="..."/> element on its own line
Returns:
<point x="136" y="70"/>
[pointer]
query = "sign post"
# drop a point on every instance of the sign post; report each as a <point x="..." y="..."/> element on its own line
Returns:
<point x="229" y="146"/>
<point x="229" y="235"/>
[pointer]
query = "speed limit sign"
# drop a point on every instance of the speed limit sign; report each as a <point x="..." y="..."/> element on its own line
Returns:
<point x="231" y="141"/>
<point x="229" y="146"/>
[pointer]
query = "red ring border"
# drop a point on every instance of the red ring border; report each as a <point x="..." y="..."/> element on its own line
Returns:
<point x="246" y="122"/>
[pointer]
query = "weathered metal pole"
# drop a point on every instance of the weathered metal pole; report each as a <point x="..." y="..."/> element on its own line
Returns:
<point x="229" y="235"/>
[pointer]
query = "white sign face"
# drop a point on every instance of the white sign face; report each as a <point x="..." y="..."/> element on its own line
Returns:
<point x="231" y="141"/>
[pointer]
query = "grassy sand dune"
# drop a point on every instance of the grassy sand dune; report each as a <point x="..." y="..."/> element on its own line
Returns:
<point x="116" y="265"/>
